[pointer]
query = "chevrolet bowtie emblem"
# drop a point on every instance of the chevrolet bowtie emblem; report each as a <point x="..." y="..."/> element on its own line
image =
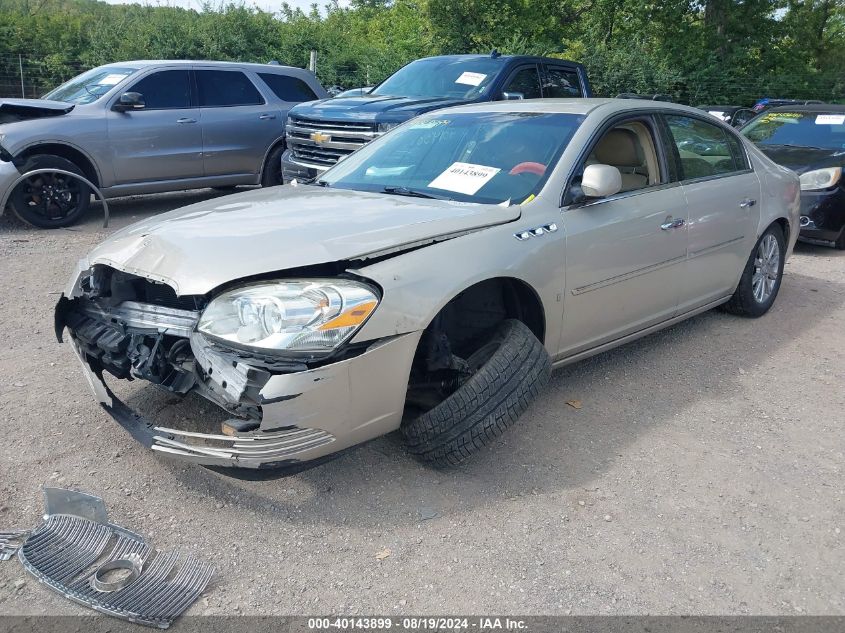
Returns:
<point x="320" y="137"/>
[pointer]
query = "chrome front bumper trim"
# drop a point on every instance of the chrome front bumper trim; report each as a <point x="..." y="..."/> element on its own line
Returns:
<point x="248" y="449"/>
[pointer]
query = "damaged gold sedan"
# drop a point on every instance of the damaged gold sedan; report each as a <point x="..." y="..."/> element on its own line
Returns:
<point x="429" y="282"/>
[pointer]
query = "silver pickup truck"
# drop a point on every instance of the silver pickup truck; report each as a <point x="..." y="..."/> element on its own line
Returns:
<point x="146" y="127"/>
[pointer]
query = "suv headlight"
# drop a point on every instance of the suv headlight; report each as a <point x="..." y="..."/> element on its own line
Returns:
<point x="313" y="315"/>
<point x="386" y="127"/>
<point x="820" y="178"/>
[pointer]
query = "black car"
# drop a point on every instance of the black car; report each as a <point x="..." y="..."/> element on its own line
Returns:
<point x="810" y="140"/>
<point x="734" y="115"/>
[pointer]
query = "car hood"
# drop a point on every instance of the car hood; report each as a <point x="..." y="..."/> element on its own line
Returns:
<point x="801" y="159"/>
<point x="12" y="110"/>
<point x="202" y="246"/>
<point x="369" y="107"/>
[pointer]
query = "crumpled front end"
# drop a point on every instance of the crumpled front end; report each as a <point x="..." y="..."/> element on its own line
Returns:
<point x="283" y="412"/>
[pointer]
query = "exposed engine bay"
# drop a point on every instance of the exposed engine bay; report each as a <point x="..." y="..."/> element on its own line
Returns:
<point x="13" y="110"/>
<point x="132" y="327"/>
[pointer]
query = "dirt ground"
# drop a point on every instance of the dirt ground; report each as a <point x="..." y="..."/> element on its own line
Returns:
<point x="702" y="475"/>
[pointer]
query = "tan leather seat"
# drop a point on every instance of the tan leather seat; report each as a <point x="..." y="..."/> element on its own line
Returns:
<point x="621" y="148"/>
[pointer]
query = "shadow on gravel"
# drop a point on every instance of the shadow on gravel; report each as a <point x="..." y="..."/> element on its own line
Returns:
<point x="555" y="449"/>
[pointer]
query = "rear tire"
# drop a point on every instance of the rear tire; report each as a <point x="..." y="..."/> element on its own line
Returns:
<point x="482" y="408"/>
<point x="760" y="282"/>
<point x="271" y="175"/>
<point x="50" y="201"/>
<point x="839" y="244"/>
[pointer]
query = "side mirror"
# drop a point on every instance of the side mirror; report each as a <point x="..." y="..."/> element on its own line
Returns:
<point x="513" y="96"/>
<point x="601" y="181"/>
<point x="129" y="101"/>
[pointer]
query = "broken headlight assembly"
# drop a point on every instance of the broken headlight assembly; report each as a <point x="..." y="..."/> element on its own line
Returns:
<point x="307" y="316"/>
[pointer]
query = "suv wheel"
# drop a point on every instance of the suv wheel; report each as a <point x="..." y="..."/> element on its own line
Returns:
<point x="271" y="175"/>
<point x="50" y="200"/>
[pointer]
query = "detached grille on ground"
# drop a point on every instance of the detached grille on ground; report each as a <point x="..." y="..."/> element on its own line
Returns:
<point x="66" y="551"/>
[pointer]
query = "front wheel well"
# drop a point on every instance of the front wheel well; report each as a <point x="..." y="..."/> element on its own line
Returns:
<point x="65" y="151"/>
<point x="454" y="343"/>
<point x="462" y="323"/>
<point x="783" y="223"/>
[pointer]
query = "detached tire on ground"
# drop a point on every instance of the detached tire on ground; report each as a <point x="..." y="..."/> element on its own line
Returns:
<point x="760" y="282"/>
<point x="50" y="201"/>
<point x="489" y="402"/>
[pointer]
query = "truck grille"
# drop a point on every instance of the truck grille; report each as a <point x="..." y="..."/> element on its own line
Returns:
<point x="320" y="144"/>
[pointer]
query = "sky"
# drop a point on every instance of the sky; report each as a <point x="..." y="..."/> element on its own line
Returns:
<point x="266" y="5"/>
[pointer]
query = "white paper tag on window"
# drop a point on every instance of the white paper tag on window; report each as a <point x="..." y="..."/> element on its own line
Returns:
<point x="471" y="79"/>
<point x="110" y="80"/>
<point x="719" y="114"/>
<point x="464" y="178"/>
<point x="830" y="119"/>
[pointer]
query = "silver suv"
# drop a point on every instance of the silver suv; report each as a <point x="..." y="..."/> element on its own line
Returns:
<point x="146" y="127"/>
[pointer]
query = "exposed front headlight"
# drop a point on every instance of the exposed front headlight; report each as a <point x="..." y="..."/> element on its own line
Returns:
<point x="313" y="315"/>
<point x="820" y="178"/>
<point x="386" y="127"/>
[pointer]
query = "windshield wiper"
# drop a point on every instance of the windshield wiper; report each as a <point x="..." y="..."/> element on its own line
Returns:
<point x="412" y="193"/>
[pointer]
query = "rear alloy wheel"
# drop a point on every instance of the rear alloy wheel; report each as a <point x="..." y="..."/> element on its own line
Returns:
<point x="50" y="200"/>
<point x="760" y="282"/>
<point x="492" y="388"/>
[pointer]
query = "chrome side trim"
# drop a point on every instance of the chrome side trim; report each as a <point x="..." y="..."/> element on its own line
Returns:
<point x="626" y="276"/>
<point x="715" y="247"/>
<point x="603" y="347"/>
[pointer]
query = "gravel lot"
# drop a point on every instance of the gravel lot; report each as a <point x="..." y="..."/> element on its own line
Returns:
<point x="702" y="475"/>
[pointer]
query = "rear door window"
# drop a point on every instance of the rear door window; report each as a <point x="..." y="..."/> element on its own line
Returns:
<point x="525" y="82"/>
<point x="225" y="88"/>
<point x="705" y="150"/>
<point x="288" y="88"/>
<point x="165" y="90"/>
<point x="561" y="83"/>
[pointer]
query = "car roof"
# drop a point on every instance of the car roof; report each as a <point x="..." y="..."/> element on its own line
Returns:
<point x="572" y="106"/>
<point x="813" y="107"/>
<point x="505" y="58"/>
<point x="146" y="63"/>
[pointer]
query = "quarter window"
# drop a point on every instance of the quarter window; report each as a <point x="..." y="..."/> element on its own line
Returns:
<point x="561" y="83"/>
<point x="222" y="88"/>
<point x="526" y="82"/>
<point x="704" y="149"/>
<point x="165" y="90"/>
<point x="288" y="88"/>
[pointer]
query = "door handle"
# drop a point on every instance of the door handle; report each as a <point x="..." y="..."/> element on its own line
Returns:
<point x="672" y="224"/>
<point x="265" y="117"/>
<point x="184" y="120"/>
<point x="748" y="202"/>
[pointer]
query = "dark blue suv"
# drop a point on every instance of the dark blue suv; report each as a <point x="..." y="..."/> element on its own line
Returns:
<point x="319" y="133"/>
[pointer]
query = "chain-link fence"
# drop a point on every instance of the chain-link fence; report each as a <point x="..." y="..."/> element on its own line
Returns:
<point x="25" y="76"/>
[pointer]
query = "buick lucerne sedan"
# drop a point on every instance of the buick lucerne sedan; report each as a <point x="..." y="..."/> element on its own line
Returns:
<point x="429" y="282"/>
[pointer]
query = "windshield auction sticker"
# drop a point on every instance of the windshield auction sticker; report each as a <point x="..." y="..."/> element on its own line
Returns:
<point x="830" y="119"/>
<point x="471" y="79"/>
<point x="110" y="80"/>
<point x="464" y="178"/>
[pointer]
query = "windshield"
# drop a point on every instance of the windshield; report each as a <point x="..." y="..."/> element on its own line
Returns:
<point x="89" y="86"/>
<point x="447" y="77"/>
<point x="803" y="129"/>
<point x="489" y="157"/>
